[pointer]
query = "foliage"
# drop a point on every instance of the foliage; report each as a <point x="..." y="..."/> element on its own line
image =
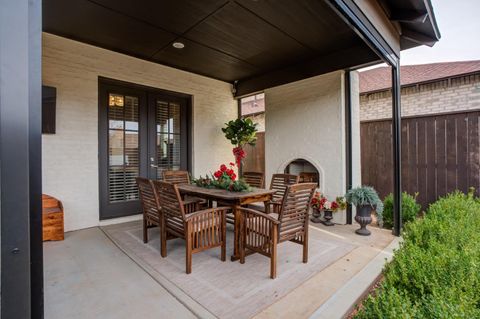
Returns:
<point x="436" y="271"/>
<point x="223" y="178"/>
<point x="320" y="202"/>
<point x="410" y="209"/>
<point x="241" y="131"/>
<point x="366" y="195"/>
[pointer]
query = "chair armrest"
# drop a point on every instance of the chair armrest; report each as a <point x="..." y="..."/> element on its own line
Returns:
<point x="246" y="211"/>
<point x="205" y="212"/>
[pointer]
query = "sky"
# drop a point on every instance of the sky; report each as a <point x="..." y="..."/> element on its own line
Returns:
<point x="459" y="24"/>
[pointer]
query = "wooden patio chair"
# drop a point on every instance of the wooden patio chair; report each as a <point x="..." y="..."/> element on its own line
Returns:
<point x="201" y="229"/>
<point x="262" y="233"/>
<point x="151" y="213"/>
<point x="183" y="177"/>
<point x="254" y="179"/>
<point x="279" y="184"/>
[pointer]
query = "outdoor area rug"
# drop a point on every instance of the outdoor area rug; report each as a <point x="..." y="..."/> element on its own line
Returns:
<point x="230" y="289"/>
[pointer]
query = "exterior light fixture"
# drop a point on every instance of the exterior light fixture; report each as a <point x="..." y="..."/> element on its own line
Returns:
<point x="178" y="45"/>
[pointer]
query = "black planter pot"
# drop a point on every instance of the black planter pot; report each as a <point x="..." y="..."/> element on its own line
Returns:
<point x="364" y="218"/>
<point x="316" y="216"/>
<point x="328" y="215"/>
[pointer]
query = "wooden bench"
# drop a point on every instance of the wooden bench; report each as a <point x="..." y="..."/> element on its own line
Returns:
<point x="52" y="218"/>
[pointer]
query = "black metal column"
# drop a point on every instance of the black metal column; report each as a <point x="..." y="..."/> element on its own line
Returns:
<point x="20" y="89"/>
<point x="397" y="130"/>
<point x="348" y="140"/>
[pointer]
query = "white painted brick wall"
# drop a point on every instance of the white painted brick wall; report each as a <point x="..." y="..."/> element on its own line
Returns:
<point x="462" y="93"/>
<point x="70" y="157"/>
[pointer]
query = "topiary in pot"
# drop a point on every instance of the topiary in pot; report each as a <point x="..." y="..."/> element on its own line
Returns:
<point x="410" y="209"/>
<point x="366" y="199"/>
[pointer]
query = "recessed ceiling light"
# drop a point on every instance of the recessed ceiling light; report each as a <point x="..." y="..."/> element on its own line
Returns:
<point x="178" y="45"/>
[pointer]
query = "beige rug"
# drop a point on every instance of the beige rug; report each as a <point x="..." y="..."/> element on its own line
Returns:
<point x="230" y="289"/>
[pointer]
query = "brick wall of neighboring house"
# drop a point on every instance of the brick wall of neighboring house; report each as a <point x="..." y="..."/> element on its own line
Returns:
<point x="448" y="95"/>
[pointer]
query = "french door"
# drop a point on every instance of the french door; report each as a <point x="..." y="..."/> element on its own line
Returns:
<point x="142" y="132"/>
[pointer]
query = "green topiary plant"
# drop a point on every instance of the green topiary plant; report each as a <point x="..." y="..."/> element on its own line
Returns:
<point x="240" y="132"/>
<point x="410" y="209"/>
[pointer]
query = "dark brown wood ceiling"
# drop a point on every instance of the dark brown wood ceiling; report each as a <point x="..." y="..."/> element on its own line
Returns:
<point x="243" y="40"/>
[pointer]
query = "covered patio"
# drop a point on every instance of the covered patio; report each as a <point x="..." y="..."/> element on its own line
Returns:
<point x="141" y="88"/>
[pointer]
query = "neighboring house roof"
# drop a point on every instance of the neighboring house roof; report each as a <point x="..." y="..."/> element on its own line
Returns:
<point x="379" y="79"/>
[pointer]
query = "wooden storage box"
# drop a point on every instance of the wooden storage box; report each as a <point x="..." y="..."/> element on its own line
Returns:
<point x="52" y="218"/>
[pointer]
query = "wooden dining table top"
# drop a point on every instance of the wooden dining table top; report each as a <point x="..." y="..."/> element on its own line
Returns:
<point x="222" y="193"/>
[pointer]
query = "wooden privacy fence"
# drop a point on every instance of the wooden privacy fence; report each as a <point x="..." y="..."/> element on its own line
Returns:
<point x="255" y="159"/>
<point x="440" y="154"/>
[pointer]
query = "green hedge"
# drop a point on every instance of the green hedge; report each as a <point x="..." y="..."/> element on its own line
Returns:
<point x="436" y="271"/>
<point x="410" y="209"/>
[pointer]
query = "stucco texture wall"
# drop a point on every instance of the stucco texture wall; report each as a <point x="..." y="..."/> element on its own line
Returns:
<point x="306" y="119"/>
<point x="70" y="157"/>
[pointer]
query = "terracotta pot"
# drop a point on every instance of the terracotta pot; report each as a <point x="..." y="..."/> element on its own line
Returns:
<point x="328" y="215"/>
<point x="364" y="218"/>
<point x="316" y="216"/>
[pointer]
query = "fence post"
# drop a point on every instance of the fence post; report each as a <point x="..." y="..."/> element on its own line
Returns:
<point x="397" y="151"/>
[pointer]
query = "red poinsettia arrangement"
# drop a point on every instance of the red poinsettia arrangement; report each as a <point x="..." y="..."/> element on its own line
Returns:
<point x="226" y="173"/>
<point x="224" y="178"/>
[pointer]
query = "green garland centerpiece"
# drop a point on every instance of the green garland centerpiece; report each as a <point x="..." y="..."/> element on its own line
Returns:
<point x="224" y="178"/>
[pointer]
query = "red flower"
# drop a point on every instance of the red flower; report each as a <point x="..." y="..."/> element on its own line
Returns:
<point x="223" y="167"/>
<point x="314" y="200"/>
<point x="233" y="176"/>
<point x="217" y="174"/>
<point x="229" y="172"/>
<point x="334" y="205"/>
<point x="232" y="164"/>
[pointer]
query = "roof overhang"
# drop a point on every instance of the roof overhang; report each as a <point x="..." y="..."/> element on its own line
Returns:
<point x="416" y="21"/>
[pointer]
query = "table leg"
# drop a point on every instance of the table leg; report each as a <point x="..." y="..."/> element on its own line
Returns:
<point x="236" y="234"/>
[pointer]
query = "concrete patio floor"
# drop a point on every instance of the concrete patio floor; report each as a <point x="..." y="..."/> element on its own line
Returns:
<point x="88" y="276"/>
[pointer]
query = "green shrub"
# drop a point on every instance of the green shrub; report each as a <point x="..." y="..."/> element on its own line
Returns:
<point x="436" y="271"/>
<point x="410" y="209"/>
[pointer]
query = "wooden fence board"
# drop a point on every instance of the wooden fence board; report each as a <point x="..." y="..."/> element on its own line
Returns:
<point x="440" y="154"/>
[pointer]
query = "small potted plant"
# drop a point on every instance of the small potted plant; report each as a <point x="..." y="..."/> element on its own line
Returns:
<point x="317" y="204"/>
<point x="224" y="178"/>
<point x="366" y="199"/>
<point x="240" y="132"/>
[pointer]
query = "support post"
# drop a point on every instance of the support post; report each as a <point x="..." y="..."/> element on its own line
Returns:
<point x="348" y="140"/>
<point x="20" y="184"/>
<point x="397" y="144"/>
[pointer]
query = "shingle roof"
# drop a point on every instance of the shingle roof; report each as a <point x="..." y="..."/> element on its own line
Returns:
<point x="379" y="79"/>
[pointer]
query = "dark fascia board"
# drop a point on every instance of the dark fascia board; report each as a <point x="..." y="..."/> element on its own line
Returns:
<point x="360" y="54"/>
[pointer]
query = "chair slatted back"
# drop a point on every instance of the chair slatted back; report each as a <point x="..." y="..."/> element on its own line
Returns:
<point x="254" y="179"/>
<point x="148" y="198"/>
<point x="294" y="211"/>
<point x="279" y="184"/>
<point x="170" y="201"/>
<point x="176" y="177"/>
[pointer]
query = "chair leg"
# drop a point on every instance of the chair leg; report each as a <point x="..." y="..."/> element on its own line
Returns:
<point x="224" y="238"/>
<point x="305" y="249"/>
<point x="145" y="231"/>
<point x="273" y="251"/>
<point x="188" y="250"/>
<point x="242" y="238"/>
<point x="163" y="239"/>
<point x="273" y="262"/>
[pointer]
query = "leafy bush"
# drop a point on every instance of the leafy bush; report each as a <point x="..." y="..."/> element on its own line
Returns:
<point x="436" y="271"/>
<point x="410" y="209"/>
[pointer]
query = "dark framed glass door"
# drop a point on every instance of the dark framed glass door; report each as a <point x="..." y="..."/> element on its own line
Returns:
<point x="142" y="132"/>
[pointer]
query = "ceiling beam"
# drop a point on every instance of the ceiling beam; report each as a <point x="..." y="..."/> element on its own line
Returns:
<point x="339" y="60"/>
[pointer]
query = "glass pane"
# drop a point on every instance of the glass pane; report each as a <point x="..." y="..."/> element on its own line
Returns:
<point x="174" y="118"/>
<point x="174" y="149"/>
<point x="115" y="111"/>
<point x="131" y="113"/>
<point x="115" y="148"/>
<point x="162" y="117"/>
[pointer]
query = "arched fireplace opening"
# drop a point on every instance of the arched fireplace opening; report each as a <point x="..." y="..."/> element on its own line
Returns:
<point x="307" y="171"/>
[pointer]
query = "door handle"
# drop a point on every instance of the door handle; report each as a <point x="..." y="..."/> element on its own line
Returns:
<point x="153" y="165"/>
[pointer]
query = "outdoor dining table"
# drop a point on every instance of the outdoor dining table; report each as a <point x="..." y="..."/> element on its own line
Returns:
<point x="233" y="199"/>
